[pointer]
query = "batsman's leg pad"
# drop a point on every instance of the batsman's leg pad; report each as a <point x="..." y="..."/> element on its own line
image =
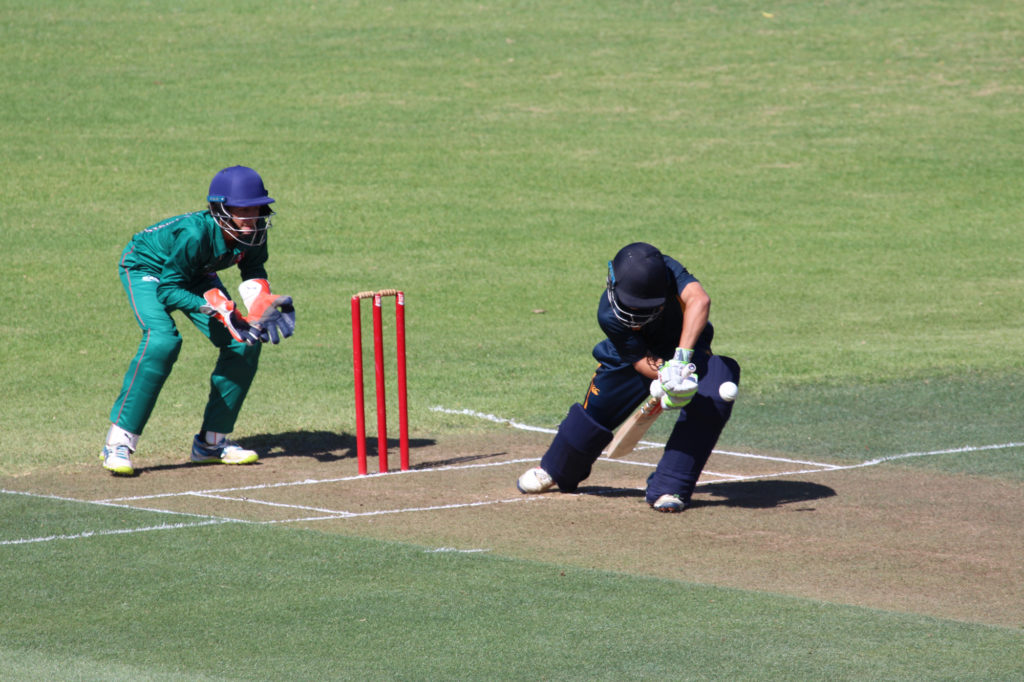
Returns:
<point x="578" y="443"/>
<point x="695" y="434"/>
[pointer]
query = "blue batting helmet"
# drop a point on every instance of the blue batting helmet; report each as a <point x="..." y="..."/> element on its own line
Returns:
<point x="240" y="186"/>
<point x="637" y="284"/>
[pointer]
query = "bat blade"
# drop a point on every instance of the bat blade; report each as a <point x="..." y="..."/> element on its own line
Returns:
<point x="634" y="428"/>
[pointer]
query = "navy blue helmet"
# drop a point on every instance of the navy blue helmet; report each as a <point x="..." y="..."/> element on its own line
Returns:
<point x="637" y="284"/>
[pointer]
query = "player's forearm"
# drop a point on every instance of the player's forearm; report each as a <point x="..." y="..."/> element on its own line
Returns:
<point x="696" y="309"/>
<point x="648" y="367"/>
<point x="694" y="322"/>
<point x="179" y="299"/>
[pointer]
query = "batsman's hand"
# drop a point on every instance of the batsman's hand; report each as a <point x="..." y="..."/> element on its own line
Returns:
<point x="657" y="392"/>
<point x="271" y="315"/>
<point x="676" y="369"/>
<point x="677" y="384"/>
<point x="219" y="306"/>
<point x="678" y="399"/>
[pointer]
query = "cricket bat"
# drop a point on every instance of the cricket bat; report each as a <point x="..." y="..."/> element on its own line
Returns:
<point x="634" y="428"/>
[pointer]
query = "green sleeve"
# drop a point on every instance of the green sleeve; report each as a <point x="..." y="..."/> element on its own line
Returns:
<point x="184" y="269"/>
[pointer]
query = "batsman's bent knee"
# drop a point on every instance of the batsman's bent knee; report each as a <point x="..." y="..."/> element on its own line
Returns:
<point x="689" y="446"/>
<point x="578" y="443"/>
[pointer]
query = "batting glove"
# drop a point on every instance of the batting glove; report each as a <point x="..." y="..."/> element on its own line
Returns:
<point x="678" y="367"/>
<point x="678" y="396"/>
<point x="675" y="371"/>
<point x="273" y="316"/>
<point x="677" y="399"/>
<point x="219" y="306"/>
<point x="677" y="383"/>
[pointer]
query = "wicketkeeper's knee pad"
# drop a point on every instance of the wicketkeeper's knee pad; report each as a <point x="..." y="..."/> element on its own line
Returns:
<point x="578" y="443"/>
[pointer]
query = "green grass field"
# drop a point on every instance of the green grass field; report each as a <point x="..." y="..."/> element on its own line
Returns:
<point x="842" y="177"/>
<point x="320" y="606"/>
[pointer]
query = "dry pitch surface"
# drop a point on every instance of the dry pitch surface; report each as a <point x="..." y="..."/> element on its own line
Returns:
<point x="885" y="536"/>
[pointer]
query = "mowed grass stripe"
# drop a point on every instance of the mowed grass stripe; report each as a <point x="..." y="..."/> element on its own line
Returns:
<point x="257" y="602"/>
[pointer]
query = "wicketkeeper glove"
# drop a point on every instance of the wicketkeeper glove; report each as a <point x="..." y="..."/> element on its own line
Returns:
<point x="219" y="306"/>
<point x="271" y="315"/>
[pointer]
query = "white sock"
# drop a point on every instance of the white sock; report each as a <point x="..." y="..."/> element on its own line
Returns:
<point x="212" y="437"/>
<point x="118" y="436"/>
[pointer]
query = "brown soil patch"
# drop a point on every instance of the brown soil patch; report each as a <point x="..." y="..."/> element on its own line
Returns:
<point x="888" y="536"/>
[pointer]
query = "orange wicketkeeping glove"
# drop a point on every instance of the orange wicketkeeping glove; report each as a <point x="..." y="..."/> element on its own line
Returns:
<point x="219" y="306"/>
<point x="272" y="316"/>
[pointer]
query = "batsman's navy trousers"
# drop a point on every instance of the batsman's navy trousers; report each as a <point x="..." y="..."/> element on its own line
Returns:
<point x="616" y="391"/>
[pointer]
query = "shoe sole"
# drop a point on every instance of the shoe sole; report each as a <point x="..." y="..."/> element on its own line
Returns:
<point x="118" y="470"/>
<point x="249" y="459"/>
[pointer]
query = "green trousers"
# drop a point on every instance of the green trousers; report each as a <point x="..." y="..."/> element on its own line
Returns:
<point x="159" y="348"/>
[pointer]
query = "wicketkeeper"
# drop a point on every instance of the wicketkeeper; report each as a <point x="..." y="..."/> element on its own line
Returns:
<point x="655" y="316"/>
<point x="173" y="265"/>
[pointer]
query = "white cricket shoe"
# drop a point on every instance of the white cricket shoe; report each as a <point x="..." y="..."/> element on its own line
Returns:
<point x="117" y="460"/>
<point x="536" y="480"/>
<point x="224" y="452"/>
<point x="669" y="503"/>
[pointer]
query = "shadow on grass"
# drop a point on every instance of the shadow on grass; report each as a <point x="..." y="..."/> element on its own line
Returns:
<point x="744" y="494"/>
<point x="323" y="446"/>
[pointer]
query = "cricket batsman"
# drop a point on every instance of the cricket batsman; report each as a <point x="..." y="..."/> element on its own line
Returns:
<point x="172" y="266"/>
<point x="654" y="314"/>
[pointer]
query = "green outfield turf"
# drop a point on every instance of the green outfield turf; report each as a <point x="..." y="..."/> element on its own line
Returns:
<point x="247" y="602"/>
<point x="842" y="177"/>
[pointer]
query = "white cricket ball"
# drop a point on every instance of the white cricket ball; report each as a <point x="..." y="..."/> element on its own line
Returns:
<point x="728" y="391"/>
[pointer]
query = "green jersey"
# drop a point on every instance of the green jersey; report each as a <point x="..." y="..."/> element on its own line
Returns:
<point x="184" y="252"/>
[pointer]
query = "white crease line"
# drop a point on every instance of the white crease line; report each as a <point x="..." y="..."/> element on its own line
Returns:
<point x="331" y="516"/>
<point x="122" y="531"/>
<point x="307" y="518"/>
<point x="113" y="503"/>
<point x="382" y="512"/>
<point x="775" y="459"/>
<point x="732" y="477"/>
<point x="493" y="418"/>
<point x="966" y="448"/>
<point x="334" y="513"/>
<point x="823" y="465"/>
<point x="460" y="505"/>
<point x="317" y="481"/>
<point x="642" y="445"/>
<point x="259" y="486"/>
